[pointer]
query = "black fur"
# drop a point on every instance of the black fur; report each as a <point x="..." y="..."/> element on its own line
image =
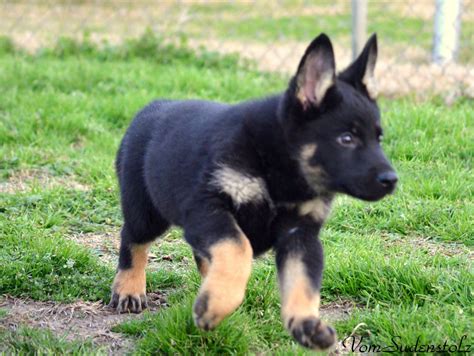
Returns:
<point x="296" y="236"/>
<point x="169" y="157"/>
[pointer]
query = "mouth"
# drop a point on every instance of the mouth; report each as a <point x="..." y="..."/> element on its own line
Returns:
<point x="371" y="195"/>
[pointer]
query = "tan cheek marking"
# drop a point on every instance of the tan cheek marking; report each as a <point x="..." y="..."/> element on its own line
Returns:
<point x="308" y="151"/>
<point x="299" y="300"/>
<point x="227" y="276"/>
<point x="132" y="281"/>
<point x="314" y="175"/>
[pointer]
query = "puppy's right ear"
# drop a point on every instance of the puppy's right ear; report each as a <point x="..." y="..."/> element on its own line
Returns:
<point x="316" y="72"/>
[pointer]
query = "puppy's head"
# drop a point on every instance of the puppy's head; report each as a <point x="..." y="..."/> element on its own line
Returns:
<point x="332" y="123"/>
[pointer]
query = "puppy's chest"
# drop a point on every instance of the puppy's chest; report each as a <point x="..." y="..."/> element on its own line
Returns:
<point x="316" y="209"/>
<point x="254" y="209"/>
<point x="251" y="203"/>
<point x="258" y="221"/>
<point x="242" y="187"/>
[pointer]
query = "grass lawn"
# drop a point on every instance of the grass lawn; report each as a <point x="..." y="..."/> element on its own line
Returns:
<point x="404" y="263"/>
<point x="250" y="21"/>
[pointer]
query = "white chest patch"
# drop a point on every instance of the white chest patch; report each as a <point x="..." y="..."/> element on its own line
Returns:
<point x="240" y="186"/>
<point x="318" y="209"/>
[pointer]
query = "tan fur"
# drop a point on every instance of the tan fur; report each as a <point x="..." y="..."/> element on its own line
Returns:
<point x="226" y="279"/>
<point x="308" y="151"/>
<point x="240" y="186"/>
<point x="203" y="267"/>
<point x="298" y="298"/>
<point x="318" y="209"/>
<point x="132" y="281"/>
<point x="314" y="175"/>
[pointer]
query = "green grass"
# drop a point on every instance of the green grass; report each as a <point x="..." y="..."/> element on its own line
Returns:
<point x="248" y="21"/>
<point x="28" y="341"/>
<point x="63" y="113"/>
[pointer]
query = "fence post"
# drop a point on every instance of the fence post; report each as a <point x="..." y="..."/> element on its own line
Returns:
<point x="447" y="27"/>
<point x="359" y="26"/>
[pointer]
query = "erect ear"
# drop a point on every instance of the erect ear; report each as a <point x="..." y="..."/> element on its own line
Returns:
<point x="316" y="72"/>
<point x="360" y="74"/>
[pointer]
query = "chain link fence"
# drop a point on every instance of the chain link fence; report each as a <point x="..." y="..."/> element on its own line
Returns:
<point x="273" y="34"/>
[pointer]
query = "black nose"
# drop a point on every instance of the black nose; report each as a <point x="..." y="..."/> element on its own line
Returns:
<point x="387" y="179"/>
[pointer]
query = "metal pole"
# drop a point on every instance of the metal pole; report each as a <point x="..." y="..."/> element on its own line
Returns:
<point x="359" y="26"/>
<point x="447" y="30"/>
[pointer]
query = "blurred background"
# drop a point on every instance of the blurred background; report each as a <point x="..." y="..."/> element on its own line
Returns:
<point x="425" y="46"/>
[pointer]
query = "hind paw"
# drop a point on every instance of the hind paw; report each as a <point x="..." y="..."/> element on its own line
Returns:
<point x="128" y="292"/>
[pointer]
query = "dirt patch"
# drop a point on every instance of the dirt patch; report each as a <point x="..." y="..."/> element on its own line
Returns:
<point x="105" y="245"/>
<point x="431" y="247"/>
<point x="23" y="181"/>
<point x="335" y="311"/>
<point x="338" y="310"/>
<point x="75" y="321"/>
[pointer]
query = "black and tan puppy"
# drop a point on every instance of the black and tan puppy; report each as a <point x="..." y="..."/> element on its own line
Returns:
<point x="241" y="179"/>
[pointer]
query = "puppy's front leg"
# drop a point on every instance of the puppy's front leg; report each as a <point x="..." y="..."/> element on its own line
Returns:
<point x="225" y="268"/>
<point x="299" y="257"/>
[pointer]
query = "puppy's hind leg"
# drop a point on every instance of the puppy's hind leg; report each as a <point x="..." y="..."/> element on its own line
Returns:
<point x="129" y="286"/>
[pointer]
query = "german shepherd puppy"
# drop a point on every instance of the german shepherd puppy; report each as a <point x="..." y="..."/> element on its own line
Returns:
<point x="242" y="179"/>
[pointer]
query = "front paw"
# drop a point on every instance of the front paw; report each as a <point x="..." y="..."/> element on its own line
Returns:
<point x="211" y="308"/>
<point x="312" y="333"/>
<point x="128" y="303"/>
<point x="203" y="317"/>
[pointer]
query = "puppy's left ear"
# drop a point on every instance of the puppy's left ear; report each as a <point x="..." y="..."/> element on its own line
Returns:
<point x="360" y="74"/>
<point x="316" y="72"/>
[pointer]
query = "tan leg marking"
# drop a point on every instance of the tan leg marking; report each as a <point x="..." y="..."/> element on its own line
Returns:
<point x="223" y="288"/>
<point x="300" y="307"/>
<point x="130" y="284"/>
<point x="298" y="298"/>
<point x="203" y="267"/>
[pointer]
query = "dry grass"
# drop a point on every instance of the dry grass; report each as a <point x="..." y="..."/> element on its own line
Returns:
<point x="22" y="181"/>
<point x="431" y="247"/>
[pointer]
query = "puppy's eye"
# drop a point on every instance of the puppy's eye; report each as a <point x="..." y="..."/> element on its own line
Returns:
<point x="346" y="139"/>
